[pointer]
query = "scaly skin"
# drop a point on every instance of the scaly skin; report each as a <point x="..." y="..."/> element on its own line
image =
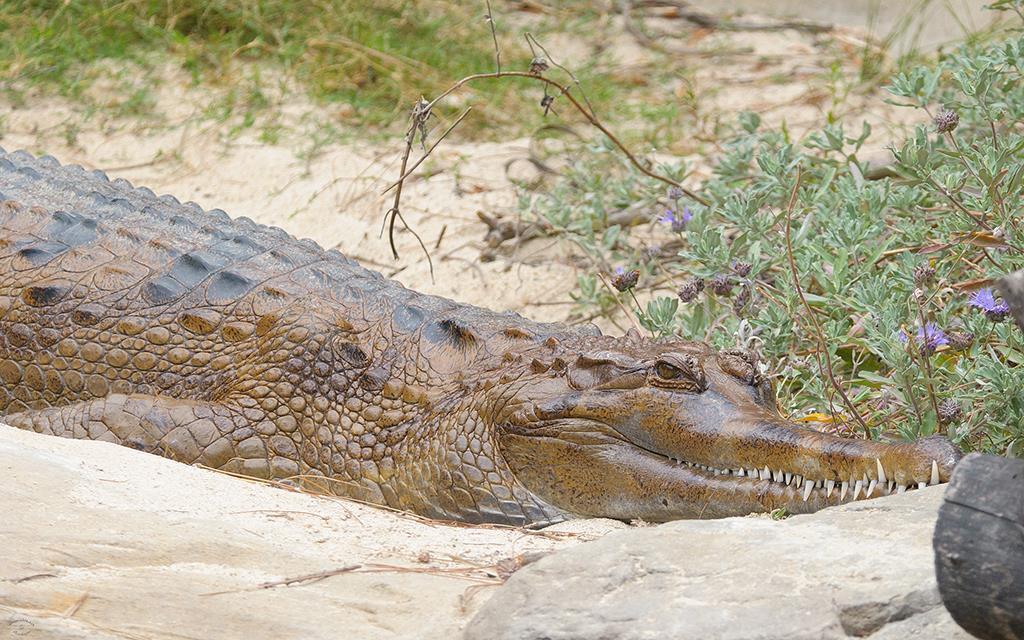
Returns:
<point x="138" y="320"/>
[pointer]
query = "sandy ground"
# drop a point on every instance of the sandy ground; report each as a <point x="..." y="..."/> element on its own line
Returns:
<point x="335" y="196"/>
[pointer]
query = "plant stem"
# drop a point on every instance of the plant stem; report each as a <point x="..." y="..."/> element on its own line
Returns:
<point x="827" y="368"/>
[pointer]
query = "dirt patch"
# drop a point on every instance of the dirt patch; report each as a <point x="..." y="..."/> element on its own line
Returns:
<point x="333" y="194"/>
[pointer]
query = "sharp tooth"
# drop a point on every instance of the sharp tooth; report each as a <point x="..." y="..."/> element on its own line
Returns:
<point x="766" y="474"/>
<point x="808" y="488"/>
<point x="900" y="488"/>
<point x="798" y="480"/>
<point x="789" y="478"/>
<point x="892" y="485"/>
<point x="881" y="471"/>
<point x="829" y="486"/>
<point x="857" y="486"/>
<point x="935" y="472"/>
<point x="865" y="478"/>
<point x="808" y="481"/>
<point x="843" y="486"/>
<point x="740" y="472"/>
<point x="871" y="488"/>
<point x="922" y="485"/>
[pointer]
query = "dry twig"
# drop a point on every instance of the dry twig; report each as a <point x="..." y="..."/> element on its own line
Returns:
<point x="423" y="110"/>
<point x="826" y="369"/>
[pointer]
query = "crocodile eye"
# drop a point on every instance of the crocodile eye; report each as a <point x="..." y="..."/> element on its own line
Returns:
<point x="679" y="372"/>
<point x="667" y="371"/>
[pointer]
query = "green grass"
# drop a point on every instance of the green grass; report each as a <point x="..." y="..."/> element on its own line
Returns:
<point x="371" y="59"/>
<point x="377" y="56"/>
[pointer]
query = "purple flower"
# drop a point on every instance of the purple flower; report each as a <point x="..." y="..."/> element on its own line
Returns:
<point x="678" y="222"/>
<point x="929" y="337"/>
<point x="984" y="300"/>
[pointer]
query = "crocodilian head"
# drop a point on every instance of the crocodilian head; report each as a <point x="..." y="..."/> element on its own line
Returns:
<point x="663" y="430"/>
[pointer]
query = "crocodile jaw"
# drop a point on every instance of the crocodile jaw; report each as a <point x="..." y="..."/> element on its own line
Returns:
<point x="643" y="454"/>
<point x="602" y="475"/>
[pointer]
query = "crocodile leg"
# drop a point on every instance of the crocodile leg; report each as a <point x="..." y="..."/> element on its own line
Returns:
<point x="194" y="432"/>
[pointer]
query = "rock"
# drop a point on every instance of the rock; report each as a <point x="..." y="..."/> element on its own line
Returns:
<point x="862" y="570"/>
<point x="103" y="542"/>
<point x="1012" y="288"/>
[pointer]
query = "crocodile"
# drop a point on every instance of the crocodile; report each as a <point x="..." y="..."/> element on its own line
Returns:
<point x="135" y="319"/>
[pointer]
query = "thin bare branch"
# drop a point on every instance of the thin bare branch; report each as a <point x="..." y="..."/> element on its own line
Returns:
<point x="421" y="112"/>
<point x="424" y="156"/>
<point x="592" y="119"/>
<point x="494" y="36"/>
<point x="533" y="41"/>
<point x="823" y="348"/>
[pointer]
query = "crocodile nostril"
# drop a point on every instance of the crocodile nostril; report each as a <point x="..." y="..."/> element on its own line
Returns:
<point x="741" y="364"/>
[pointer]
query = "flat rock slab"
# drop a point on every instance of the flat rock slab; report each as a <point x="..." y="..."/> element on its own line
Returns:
<point x="861" y="570"/>
<point x="101" y="542"/>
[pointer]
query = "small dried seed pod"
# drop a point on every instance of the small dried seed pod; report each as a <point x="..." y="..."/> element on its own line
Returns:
<point x="946" y="121"/>
<point x="960" y="340"/>
<point x="721" y="285"/>
<point x="739" y="303"/>
<point x="950" y="411"/>
<point x="923" y="275"/>
<point x="690" y="289"/>
<point x="742" y="269"/>
<point x="626" y="280"/>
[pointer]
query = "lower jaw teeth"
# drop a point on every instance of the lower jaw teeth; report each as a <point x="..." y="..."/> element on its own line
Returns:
<point x="866" y="485"/>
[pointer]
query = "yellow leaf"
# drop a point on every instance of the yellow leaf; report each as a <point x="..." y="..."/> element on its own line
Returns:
<point x="816" y="417"/>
